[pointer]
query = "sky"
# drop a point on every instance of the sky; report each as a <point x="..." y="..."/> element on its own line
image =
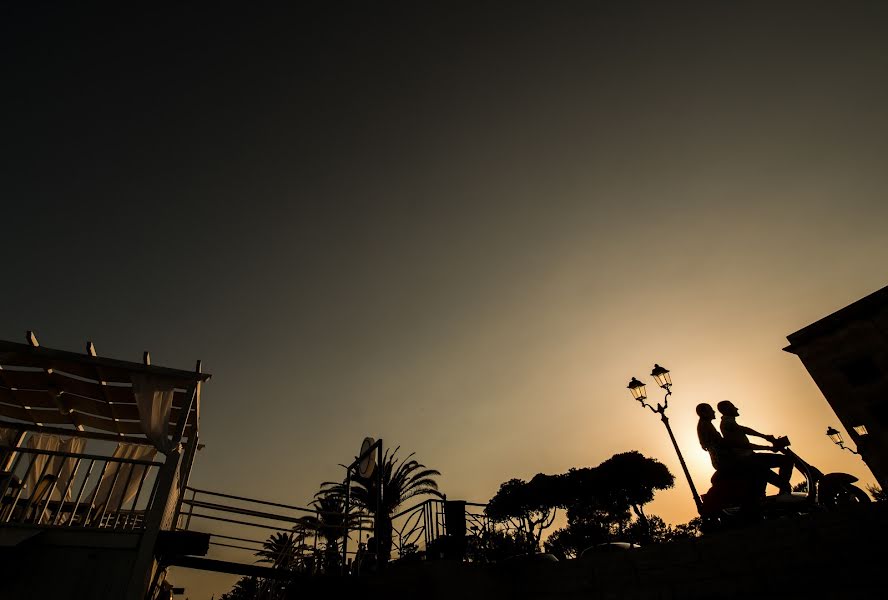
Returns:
<point x="460" y="227"/>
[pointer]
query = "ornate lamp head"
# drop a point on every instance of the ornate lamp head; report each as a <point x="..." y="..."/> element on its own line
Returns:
<point x="836" y="436"/>
<point x="637" y="389"/>
<point x="661" y="376"/>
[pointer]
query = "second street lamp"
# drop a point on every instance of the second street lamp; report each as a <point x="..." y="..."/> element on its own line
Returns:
<point x="836" y="436"/>
<point x="664" y="380"/>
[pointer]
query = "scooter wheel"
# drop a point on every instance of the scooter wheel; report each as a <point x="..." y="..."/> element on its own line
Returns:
<point x="844" y="495"/>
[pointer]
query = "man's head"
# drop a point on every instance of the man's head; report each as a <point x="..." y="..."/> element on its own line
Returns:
<point x="727" y="408"/>
<point x="705" y="411"/>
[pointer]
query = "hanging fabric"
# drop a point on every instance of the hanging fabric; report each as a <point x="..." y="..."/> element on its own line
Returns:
<point x="121" y="481"/>
<point x="154" y="400"/>
<point x="53" y="472"/>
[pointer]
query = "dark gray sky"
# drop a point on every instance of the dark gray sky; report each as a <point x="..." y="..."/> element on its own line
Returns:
<point x="461" y="227"/>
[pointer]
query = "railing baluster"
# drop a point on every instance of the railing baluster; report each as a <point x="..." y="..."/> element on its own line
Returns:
<point x="36" y="485"/>
<point x="66" y="490"/>
<point x="9" y="480"/>
<point x="110" y="493"/>
<point x="136" y="498"/>
<point x="50" y="493"/>
<point x="94" y="494"/>
<point x="18" y="494"/>
<point x="129" y="478"/>
<point x="92" y="462"/>
<point x="153" y="497"/>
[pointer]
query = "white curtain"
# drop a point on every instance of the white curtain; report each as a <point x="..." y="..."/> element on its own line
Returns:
<point x="154" y="399"/>
<point x="114" y="493"/>
<point x="61" y="467"/>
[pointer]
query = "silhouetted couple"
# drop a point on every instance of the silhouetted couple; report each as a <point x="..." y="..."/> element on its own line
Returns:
<point x="731" y="450"/>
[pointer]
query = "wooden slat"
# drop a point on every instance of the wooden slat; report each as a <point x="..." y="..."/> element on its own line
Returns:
<point x="99" y="423"/>
<point x="179" y="399"/>
<point x="7" y="396"/>
<point x="89" y="389"/>
<point x="80" y="370"/>
<point x="87" y="371"/>
<point x="28" y="380"/>
<point x="40" y="399"/>
<point x="87" y="405"/>
<point x="125" y="411"/>
<point x="14" y="412"/>
<point x="120" y="394"/>
<point x="129" y="427"/>
<point x="52" y="416"/>
<point x="174" y="416"/>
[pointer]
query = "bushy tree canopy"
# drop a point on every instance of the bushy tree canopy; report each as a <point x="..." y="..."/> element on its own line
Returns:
<point x="529" y="505"/>
<point x="598" y="500"/>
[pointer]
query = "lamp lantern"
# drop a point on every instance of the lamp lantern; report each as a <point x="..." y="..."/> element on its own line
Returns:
<point x="661" y="376"/>
<point x="637" y="389"/>
<point x="836" y="436"/>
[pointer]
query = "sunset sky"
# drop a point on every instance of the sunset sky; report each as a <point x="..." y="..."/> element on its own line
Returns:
<point x="456" y="227"/>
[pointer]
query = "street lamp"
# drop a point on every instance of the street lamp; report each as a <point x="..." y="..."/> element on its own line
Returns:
<point x="836" y="436"/>
<point x="664" y="380"/>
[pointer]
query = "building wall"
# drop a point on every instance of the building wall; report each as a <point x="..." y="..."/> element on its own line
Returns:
<point x="846" y="355"/>
<point x="64" y="564"/>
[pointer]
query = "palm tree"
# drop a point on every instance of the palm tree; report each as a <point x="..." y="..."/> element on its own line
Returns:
<point x="280" y="549"/>
<point x="246" y="588"/>
<point x="330" y="523"/>
<point x="400" y="482"/>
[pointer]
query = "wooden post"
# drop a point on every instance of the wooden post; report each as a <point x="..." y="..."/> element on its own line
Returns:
<point x="167" y="484"/>
<point x="190" y="450"/>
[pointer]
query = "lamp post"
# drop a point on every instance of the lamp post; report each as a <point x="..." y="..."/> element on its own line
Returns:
<point x="836" y="436"/>
<point x="664" y="380"/>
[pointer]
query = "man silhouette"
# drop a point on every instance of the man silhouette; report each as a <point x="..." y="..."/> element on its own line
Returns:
<point x="740" y="452"/>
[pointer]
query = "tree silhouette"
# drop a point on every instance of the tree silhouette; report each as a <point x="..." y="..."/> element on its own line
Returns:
<point x="330" y="523"/>
<point x="530" y="506"/>
<point x="400" y="482"/>
<point x="280" y="550"/>
<point x="245" y="588"/>
<point x="600" y="503"/>
<point x="629" y="480"/>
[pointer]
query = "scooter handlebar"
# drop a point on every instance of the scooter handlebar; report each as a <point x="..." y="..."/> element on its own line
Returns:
<point x="781" y="443"/>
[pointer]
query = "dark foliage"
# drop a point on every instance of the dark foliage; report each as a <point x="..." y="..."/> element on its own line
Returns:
<point x="530" y="507"/>
<point x="600" y="502"/>
<point x="401" y="481"/>
<point x="877" y="493"/>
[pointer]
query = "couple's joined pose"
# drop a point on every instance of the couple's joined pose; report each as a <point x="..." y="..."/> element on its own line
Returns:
<point x="731" y="449"/>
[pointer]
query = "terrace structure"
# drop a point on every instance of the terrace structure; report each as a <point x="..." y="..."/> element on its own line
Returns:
<point x="95" y="455"/>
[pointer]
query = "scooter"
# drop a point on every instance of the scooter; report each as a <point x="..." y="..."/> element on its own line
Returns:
<point x="738" y="497"/>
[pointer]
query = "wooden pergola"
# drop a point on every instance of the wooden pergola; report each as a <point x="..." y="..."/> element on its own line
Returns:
<point x="65" y="392"/>
<point x="86" y="507"/>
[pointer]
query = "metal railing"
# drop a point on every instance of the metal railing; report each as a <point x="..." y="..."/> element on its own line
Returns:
<point x="241" y="529"/>
<point x="423" y="522"/>
<point x="416" y="528"/>
<point x="64" y="489"/>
